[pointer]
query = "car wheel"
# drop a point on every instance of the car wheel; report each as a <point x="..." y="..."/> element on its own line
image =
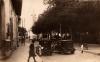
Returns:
<point x="72" y="52"/>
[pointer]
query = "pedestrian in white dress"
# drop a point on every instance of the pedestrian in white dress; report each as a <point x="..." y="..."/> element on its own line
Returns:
<point x="82" y="48"/>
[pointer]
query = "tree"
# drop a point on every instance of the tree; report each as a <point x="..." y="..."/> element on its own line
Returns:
<point x="88" y="16"/>
<point x="71" y="14"/>
<point x="60" y="13"/>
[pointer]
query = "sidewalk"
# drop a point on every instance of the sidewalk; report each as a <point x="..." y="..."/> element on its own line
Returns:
<point x="21" y="55"/>
<point x="7" y="54"/>
<point x="10" y="52"/>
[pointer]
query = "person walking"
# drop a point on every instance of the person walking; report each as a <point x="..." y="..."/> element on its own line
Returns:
<point x="32" y="51"/>
<point x="23" y="40"/>
<point x="86" y="41"/>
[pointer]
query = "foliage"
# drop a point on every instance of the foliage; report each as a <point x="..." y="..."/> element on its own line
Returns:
<point x="88" y="16"/>
<point x="71" y="15"/>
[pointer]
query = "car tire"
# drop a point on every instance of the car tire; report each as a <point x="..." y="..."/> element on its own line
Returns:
<point x="72" y="52"/>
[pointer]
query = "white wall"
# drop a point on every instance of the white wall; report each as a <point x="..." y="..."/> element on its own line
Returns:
<point x="10" y="13"/>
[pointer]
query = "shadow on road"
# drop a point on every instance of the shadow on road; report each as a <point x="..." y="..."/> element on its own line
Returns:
<point x="92" y="52"/>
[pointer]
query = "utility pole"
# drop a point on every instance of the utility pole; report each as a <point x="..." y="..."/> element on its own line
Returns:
<point x="60" y="30"/>
<point x="24" y="22"/>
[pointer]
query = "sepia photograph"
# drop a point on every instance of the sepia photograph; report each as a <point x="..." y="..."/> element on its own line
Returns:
<point x="49" y="30"/>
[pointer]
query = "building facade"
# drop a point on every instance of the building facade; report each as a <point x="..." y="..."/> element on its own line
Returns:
<point x="2" y="25"/>
<point x="8" y="27"/>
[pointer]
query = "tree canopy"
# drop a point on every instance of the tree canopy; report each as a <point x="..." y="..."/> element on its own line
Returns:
<point x="69" y="15"/>
<point x="88" y="15"/>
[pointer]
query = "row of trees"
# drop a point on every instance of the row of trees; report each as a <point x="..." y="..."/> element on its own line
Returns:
<point x="70" y="15"/>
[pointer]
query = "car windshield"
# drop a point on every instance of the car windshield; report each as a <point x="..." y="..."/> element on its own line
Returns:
<point x="66" y="37"/>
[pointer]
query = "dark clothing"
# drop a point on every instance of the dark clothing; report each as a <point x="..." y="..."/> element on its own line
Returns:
<point x="31" y="51"/>
<point x="23" y="41"/>
<point x="85" y="39"/>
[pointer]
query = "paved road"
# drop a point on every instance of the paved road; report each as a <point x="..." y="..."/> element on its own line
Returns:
<point x="77" y="57"/>
<point x="21" y="54"/>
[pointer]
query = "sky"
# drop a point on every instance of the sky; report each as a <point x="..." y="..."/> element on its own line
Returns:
<point x="30" y="11"/>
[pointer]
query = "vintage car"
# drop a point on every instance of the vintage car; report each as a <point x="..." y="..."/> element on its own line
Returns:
<point x="45" y="42"/>
<point x="65" y="45"/>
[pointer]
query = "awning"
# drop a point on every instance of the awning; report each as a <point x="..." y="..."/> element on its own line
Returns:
<point x="17" y="6"/>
